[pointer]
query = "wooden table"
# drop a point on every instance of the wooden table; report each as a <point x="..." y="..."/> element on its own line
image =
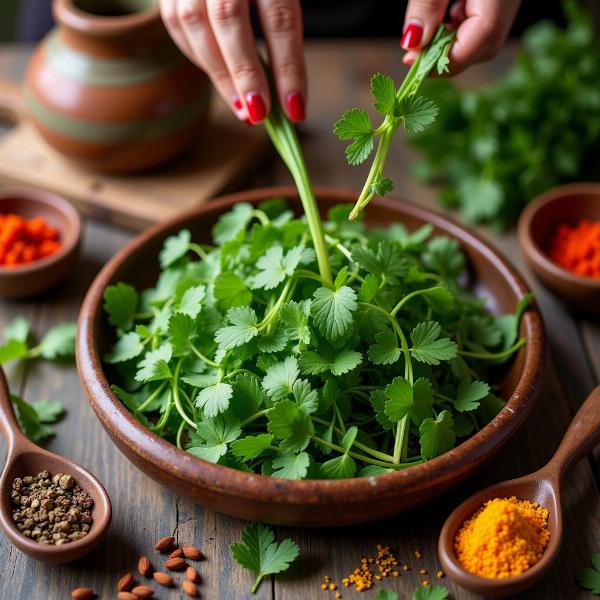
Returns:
<point x="144" y="511"/>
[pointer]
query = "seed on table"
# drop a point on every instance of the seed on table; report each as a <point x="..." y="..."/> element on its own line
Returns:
<point x="192" y="552"/>
<point x="178" y="553"/>
<point x="126" y="596"/>
<point x="190" y="589"/>
<point x="142" y="591"/>
<point x="165" y="543"/>
<point x="175" y="564"/>
<point x="163" y="578"/>
<point x="192" y="575"/>
<point x="125" y="583"/>
<point x="82" y="593"/>
<point x="144" y="566"/>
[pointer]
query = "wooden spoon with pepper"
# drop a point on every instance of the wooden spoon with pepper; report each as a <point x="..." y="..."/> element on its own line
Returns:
<point x="543" y="487"/>
<point x="25" y="458"/>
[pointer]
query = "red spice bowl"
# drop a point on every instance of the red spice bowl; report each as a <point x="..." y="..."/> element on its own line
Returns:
<point x="568" y="204"/>
<point x="32" y="278"/>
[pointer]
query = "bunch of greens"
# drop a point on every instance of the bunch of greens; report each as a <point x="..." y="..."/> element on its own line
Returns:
<point x="400" y="106"/>
<point x="496" y="148"/>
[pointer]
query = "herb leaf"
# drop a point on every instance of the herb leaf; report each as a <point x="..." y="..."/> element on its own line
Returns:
<point x="437" y="435"/>
<point x="332" y="311"/>
<point x="120" y="303"/>
<point x="590" y="578"/>
<point x="434" y="592"/>
<point x="427" y="347"/>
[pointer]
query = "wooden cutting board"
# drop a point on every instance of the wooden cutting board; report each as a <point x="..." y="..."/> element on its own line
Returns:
<point x="225" y="151"/>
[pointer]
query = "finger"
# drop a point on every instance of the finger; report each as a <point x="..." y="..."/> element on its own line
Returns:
<point x="168" y="12"/>
<point x="457" y="13"/>
<point x="421" y="21"/>
<point x="230" y="22"/>
<point x="195" y="28"/>
<point x="282" y="25"/>
<point x="480" y="36"/>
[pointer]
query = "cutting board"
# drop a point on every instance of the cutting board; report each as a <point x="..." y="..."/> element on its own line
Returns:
<point x="226" y="150"/>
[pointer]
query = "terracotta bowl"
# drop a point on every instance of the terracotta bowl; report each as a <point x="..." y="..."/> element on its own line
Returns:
<point x="307" y="503"/>
<point x="39" y="276"/>
<point x="565" y="204"/>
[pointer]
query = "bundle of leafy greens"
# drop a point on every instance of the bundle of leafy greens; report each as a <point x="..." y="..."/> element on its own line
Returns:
<point x="250" y="353"/>
<point x="495" y="148"/>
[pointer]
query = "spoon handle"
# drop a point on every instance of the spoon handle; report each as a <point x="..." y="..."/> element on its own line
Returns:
<point x="581" y="437"/>
<point x="8" y="419"/>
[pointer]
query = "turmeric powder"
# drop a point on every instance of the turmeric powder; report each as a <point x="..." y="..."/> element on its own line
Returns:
<point x="504" y="538"/>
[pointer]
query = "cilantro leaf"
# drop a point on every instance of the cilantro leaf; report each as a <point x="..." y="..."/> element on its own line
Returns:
<point x="386" y="262"/>
<point x="427" y="348"/>
<point x="274" y="267"/>
<point x="48" y="411"/>
<point x="295" y="316"/>
<point x="214" y="399"/>
<point x="417" y="113"/>
<point x="356" y="124"/>
<point x="231" y="291"/>
<point x="57" y="342"/>
<point x="13" y="350"/>
<point x="306" y="398"/>
<point x="247" y="396"/>
<point x="433" y="592"/>
<point x="469" y="393"/>
<point x="590" y="578"/>
<point x="280" y="378"/>
<point x="386" y="350"/>
<point x="404" y="399"/>
<point x="378" y="399"/>
<point x="313" y="363"/>
<point x="210" y="440"/>
<point x="175" y="247"/>
<point x="30" y="422"/>
<point x="231" y="224"/>
<point x="120" y="303"/>
<point x="340" y="467"/>
<point x="332" y="311"/>
<point x="182" y="331"/>
<point x="244" y="328"/>
<point x="381" y="186"/>
<point x="259" y="553"/>
<point x="437" y="435"/>
<point x="191" y="301"/>
<point x="287" y="465"/>
<point x="127" y="347"/>
<point x="383" y="90"/>
<point x="252" y="446"/>
<point x="17" y="330"/>
<point x="384" y="594"/>
<point x="291" y="425"/>
<point x="155" y="364"/>
<point x="443" y="255"/>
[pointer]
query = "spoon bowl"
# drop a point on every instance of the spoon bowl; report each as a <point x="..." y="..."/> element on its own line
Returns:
<point x="542" y="487"/>
<point x="25" y="458"/>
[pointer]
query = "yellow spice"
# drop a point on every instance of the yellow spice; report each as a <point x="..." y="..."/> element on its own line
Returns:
<point x="504" y="538"/>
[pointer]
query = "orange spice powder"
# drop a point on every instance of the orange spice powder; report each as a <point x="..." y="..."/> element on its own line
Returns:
<point x="577" y="248"/>
<point x="504" y="538"/>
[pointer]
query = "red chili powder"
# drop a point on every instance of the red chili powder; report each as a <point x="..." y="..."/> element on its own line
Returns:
<point x="577" y="248"/>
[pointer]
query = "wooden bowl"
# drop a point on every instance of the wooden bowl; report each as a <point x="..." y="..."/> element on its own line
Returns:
<point x="27" y="280"/>
<point x="565" y="204"/>
<point x="319" y="502"/>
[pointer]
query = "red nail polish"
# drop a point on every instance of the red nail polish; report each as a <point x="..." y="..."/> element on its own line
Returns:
<point x="257" y="110"/>
<point x="295" y="107"/>
<point x="412" y="36"/>
<point x="248" y="122"/>
<point x="237" y="103"/>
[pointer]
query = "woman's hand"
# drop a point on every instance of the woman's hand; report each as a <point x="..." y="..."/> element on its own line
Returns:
<point x="481" y="28"/>
<point x="217" y="36"/>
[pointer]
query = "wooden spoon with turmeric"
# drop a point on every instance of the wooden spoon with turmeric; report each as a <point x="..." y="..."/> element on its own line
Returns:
<point x="542" y="487"/>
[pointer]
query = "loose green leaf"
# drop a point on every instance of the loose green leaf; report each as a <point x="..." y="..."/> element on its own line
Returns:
<point x="384" y="594"/>
<point x="17" y="329"/>
<point x="433" y="592"/>
<point x="57" y="342"/>
<point x="48" y="411"/>
<point x="30" y="422"/>
<point x="590" y="578"/>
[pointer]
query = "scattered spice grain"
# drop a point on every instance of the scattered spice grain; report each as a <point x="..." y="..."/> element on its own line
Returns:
<point x="125" y="583"/>
<point x="503" y="538"/>
<point x="51" y="510"/>
<point x="440" y="574"/>
<point x="82" y="593"/>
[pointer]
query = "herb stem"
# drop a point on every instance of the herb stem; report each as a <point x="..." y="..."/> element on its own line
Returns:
<point x="151" y="398"/>
<point x="256" y="584"/>
<point x="208" y="361"/>
<point x="176" y="399"/>
<point x="408" y="297"/>
<point x="198" y="250"/>
<point x="496" y="355"/>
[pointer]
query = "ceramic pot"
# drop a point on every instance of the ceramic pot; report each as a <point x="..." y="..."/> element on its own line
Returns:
<point x="108" y="89"/>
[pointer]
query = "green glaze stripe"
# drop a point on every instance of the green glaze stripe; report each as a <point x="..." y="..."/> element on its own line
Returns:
<point x="111" y="133"/>
<point x="74" y="65"/>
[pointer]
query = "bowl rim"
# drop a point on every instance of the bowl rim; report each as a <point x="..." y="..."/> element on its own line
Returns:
<point x="69" y="242"/>
<point x="530" y="246"/>
<point x="197" y="473"/>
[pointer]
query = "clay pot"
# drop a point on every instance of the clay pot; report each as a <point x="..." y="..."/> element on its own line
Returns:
<point x="108" y="89"/>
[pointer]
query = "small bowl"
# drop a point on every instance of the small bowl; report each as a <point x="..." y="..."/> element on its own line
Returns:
<point x="565" y="204"/>
<point x="28" y="280"/>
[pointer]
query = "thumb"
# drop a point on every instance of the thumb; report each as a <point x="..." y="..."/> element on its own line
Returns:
<point x="421" y="21"/>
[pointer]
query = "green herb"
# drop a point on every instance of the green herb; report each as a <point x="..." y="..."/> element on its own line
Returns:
<point x="384" y="594"/>
<point x="399" y="107"/>
<point x="258" y="552"/>
<point x="250" y="353"/>
<point x="590" y="578"/>
<point x="57" y="343"/>
<point x="497" y="147"/>
<point x="35" y="418"/>
<point x="434" y="592"/>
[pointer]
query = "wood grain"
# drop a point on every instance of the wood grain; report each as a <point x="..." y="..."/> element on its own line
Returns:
<point x="143" y="511"/>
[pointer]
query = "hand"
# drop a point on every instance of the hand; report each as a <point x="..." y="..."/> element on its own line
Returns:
<point x="217" y="36"/>
<point x="481" y="28"/>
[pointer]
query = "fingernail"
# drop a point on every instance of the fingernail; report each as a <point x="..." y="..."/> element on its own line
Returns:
<point x="237" y="103"/>
<point x="248" y="122"/>
<point x="257" y="110"/>
<point x="412" y="36"/>
<point x="295" y="107"/>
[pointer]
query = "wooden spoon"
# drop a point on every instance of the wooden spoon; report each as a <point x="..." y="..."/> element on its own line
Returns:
<point x="25" y="458"/>
<point x="543" y="487"/>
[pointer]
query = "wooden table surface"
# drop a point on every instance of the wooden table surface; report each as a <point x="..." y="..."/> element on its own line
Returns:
<point x="144" y="511"/>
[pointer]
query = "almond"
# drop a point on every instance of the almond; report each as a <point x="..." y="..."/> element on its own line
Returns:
<point x="190" y="589"/>
<point x="176" y="553"/>
<point x="142" y="591"/>
<point x="82" y="593"/>
<point x="175" y="564"/>
<point x="165" y="543"/>
<point x="144" y="566"/>
<point x="163" y="578"/>
<point x="125" y="582"/>
<point x="192" y="552"/>
<point x="126" y="596"/>
<point x="192" y="575"/>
